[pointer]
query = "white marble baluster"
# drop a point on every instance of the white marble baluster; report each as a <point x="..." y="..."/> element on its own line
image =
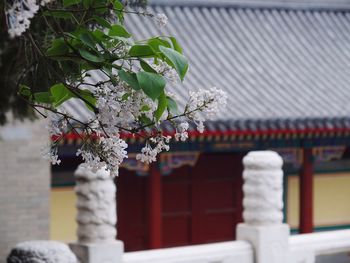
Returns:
<point x="96" y="217"/>
<point x="262" y="205"/>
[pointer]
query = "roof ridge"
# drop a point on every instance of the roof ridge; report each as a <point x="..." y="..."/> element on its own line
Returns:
<point x="337" y="5"/>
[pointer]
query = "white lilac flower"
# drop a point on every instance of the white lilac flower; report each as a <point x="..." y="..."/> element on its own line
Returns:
<point x="200" y="126"/>
<point x="110" y="154"/>
<point x="149" y="154"/>
<point x="57" y="124"/>
<point x="172" y="76"/>
<point x="114" y="152"/>
<point x="168" y="72"/>
<point x="18" y="16"/>
<point x="181" y="131"/>
<point x="161" y="20"/>
<point x="121" y="106"/>
<point x="92" y="160"/>
<point x="50" y="153"/>
<point x="209" y="102"/>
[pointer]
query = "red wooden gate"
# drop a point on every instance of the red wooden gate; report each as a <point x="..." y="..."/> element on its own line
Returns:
<point x="200" y="204"/>
<point x="204" y="203"/>
<point x="132" y="210"/>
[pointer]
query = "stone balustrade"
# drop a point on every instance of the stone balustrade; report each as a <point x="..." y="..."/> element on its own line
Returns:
<point x="262" y="238"/>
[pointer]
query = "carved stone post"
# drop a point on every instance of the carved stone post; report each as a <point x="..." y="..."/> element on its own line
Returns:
<point x="263" y="204"/>
<point x="96" y="217"/>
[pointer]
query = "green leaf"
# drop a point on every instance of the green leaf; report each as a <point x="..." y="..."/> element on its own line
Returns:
<point x="152" y="84"/>
<point x="59" y="14"/>
<point x="87" y="3"/>
<point x="176" y="44"/>
<point x="118" y="31"/>
<point x="88" y="97"/>
<point x="177" y="61"/>
<point x="141" y="51"/>
<point x="67" y="3"/>
<point x="129" y="78"/>
<point x="156" y="42"/>
<point x="58" y="48"/>
<point x="146" y="67"/>
<point x="99" y="35"/>
<point x="172" y="106"/>
<point x="60" y="94"/>
<point x="24" y="90"/>
<point x="100" y="7"/>
<point x="162" y="105"/>
<point x="103" y="22"/>
<point x="89" y="56"/>
<point x="119" y="7"/>
<point x="43" y="97"/>
<point x="145" y="120"/>
<point x="70" y="35"/>
<point x="88" y="40"/>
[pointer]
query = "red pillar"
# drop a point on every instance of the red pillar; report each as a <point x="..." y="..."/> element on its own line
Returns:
<point x="306" y="192"/>
<point x="155" y="207"/>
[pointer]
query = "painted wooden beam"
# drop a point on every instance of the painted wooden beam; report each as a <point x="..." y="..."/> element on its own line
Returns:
<point x="306" y="192"/>
<point x="155" y="207"/>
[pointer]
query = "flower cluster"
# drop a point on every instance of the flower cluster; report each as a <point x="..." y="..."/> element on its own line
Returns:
<point x="149" y="154"/>
<point x="121" y="106"/>
<point x="202" y="104"/>
<point x="161" y="20"/>
<point x="56" y="127"/>
<point x="57" y="123"/>
<point x="19" y="14"/>
<point x="181" y="131"/>
<point x="168" y="72"/>
<point x="108" y="153"/>
<point x="50" y="153"/>
<point x="205" y="104"/>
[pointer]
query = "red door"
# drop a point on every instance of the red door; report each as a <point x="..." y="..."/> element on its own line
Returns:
<point x="217" y="197"/>
<point x="203" y="204"/>
<point x="132" y="210"/>
<point x="200" y="204"/>
<point x="177" y="207"/>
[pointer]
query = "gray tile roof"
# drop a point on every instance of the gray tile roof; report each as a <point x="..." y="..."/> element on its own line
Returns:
<point x="290" y="4"/>
<point x="282" y="68"/>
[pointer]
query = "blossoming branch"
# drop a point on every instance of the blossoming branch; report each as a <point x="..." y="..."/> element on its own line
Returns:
<point x="135" y="96"/>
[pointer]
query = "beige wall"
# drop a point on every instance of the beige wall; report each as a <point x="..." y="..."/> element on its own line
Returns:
<point x="331" y="199"/>
<point x="63" y="212"/>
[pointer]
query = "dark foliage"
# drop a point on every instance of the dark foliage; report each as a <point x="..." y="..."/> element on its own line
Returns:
<point x="21" y="63"/>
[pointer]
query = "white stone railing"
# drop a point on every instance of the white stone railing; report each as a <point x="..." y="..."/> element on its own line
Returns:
<point x="234" y="251"/>
<point x="262" y="238"/>
<point x="302" y="249"/>
<point x="305" y="248"/>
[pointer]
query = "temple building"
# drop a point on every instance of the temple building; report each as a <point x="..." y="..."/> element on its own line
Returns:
<point x="286" y="68"/>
